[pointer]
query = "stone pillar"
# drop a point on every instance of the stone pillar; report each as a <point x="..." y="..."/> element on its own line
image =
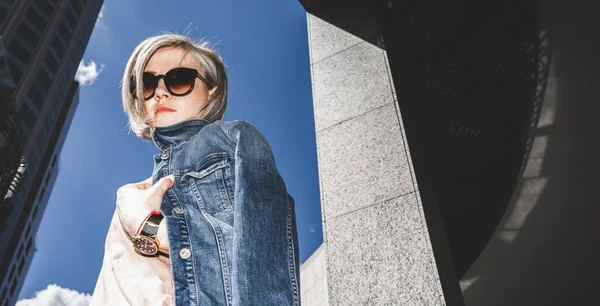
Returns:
<point x="378" y="248"/>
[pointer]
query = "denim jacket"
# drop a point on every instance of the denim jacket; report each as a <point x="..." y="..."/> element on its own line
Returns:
<point x="231" y="222"/>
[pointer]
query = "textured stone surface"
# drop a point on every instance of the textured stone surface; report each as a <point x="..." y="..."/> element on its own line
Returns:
<point x="378" y="246"/>
<point x="326" y="39"/>
<point x="381" y="255"/>
<point x="406" y="147"/>
<point x="362" y="162"/>
<point x="313" y="279"/>
<point x="349" y="84"/>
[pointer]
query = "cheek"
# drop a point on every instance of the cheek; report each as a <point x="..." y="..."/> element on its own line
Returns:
<point x="147" y="108"/>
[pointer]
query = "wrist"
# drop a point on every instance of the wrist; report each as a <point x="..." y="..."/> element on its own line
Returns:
<point x="145" y="240"/>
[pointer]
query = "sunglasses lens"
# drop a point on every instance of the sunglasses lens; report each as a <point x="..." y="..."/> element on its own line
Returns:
<point x="150" y="83"/>
<point x="180" y="80"/>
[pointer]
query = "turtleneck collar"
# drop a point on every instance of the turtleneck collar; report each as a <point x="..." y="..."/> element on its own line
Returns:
<point x="173" y="135"/>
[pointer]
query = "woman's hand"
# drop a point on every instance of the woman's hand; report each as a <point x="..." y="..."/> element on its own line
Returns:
<point x="135" y="201"/>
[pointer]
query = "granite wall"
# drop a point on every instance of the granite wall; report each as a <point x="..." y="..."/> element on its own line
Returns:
<point x="378" y="249"/>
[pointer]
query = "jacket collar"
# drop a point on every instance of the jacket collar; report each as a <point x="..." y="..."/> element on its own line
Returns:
<point x="176" y="134"/>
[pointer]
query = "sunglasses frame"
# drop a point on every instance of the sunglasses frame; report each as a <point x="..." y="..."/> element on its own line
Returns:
<point x="133" y="84"/>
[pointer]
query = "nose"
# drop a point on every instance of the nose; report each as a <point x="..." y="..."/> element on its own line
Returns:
<point x="161" y="90"/>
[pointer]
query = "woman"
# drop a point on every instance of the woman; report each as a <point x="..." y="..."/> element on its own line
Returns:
<point x="218" y="207"/>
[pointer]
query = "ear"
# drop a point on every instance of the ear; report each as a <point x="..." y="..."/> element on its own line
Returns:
<point x="212" y="91"/>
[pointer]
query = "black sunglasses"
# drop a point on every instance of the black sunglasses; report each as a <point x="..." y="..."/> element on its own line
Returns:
<point x="178" y="81"/>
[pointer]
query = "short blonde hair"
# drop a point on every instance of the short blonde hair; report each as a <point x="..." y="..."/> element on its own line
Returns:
<point x="212" y="70"/>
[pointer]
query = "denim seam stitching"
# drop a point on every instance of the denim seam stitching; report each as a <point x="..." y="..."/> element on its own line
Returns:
<point x="190" y="243"/>
<point x="226" y="133"/>
<point x="225" y="200"/>
<point x="292" y="261"/>
<point x="224" y="267"/>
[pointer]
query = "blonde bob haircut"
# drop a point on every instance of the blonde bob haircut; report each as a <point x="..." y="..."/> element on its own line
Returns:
<point x="212" y="70"/>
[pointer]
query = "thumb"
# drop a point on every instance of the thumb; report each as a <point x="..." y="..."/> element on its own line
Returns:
<point x="163" y="185"/>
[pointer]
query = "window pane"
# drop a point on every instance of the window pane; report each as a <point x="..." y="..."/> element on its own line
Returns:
<point x="44" y="80"/>
<point x="44" y="6"/>
<point x="77" y="7"/>
<point x="51" y="62"/>
<point x="27" y="116"/>
<point x="70" y="17"/>
<point x="3" y="13"/>
<point x="28" y="35"/>
<point x="36" y="19"/>
<point x="17" y="73"/>
<point x="19" y="51"/>
<point x="36" y="97"/>
<point x="58" y="47"/>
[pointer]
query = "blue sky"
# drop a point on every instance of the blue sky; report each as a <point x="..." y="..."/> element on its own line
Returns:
<point x="264" y="44"/>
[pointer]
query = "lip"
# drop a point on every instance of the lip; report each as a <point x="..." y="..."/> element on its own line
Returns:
<point x="163" y="109"/>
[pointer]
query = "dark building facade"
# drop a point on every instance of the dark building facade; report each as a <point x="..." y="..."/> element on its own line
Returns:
<point x="44" y="41"/>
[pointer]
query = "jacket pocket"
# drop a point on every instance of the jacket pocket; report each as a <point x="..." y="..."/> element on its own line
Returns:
<point x="208" y="184"/>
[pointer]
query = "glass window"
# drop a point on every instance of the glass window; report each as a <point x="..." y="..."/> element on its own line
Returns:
<point x="19" y="51"/>
<point x="36" y="19"/>
<point x="20" y="250"/>
<point x="58" y="47"/>
<point x="21" y="265"/>
<point x="65" y="32"/>
<point x="13" y="287"/>
<point x="29" y="36"/>
<point x="16" y="71"/>
<point x="77" y="7"/>
<point x="12" y="271"/>
<point x="45" y="7"/>
<point x="27" y="231"/>
<point x="35" y="94"/>
<point x="27" y="116"/>
<point x="3" y="13"/>
<point x="44" y="80"/>
<point x="29" y="243"/>
<point x="36" y="97"/>
<point x="4" y="294"/>
<point x="70" y="17"/>
<point x="51" y="62"/>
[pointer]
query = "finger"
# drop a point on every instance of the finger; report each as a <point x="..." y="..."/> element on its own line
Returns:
<point x="143" y="185"/>
<point x="163" y="185"/>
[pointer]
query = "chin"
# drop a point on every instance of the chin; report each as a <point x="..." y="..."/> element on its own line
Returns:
<point x="166" y="119"/>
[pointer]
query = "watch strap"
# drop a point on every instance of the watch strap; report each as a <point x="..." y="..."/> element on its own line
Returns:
<point x="150" y="227"/>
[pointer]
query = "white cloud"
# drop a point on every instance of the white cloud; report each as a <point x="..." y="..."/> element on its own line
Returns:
<point x="312" y="229"/>
<point x="99" y="22"/>
<point x="87" y="74"/>
<point x="57" y="296"/>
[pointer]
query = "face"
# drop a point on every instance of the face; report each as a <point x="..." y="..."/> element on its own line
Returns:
<point x="165" y="109"/>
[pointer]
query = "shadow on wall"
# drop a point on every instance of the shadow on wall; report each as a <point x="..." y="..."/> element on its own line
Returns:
<point x="545" y="250"/>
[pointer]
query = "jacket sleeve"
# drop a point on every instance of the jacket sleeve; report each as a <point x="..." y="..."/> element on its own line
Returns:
<point x="127" y="278"/>
<point x="265" y="248"/>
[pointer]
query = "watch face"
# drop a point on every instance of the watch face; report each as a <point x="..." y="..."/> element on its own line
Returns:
<point x="145" y="245"/>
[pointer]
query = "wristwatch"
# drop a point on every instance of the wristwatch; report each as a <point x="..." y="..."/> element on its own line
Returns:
<point x="145" y="241"/>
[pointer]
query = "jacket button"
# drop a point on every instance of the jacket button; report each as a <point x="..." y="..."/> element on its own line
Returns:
<point x="178" y="210"/>
<point x="164" y="156"/>
<point x="185" y="253"/>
